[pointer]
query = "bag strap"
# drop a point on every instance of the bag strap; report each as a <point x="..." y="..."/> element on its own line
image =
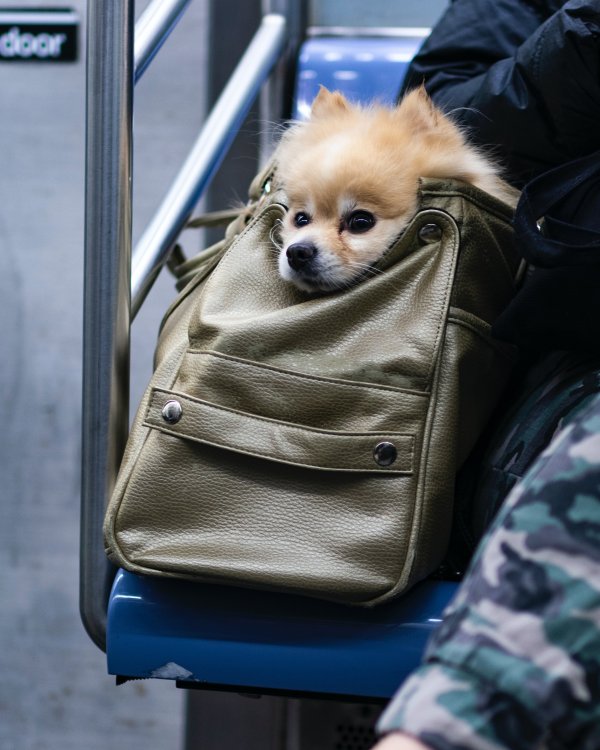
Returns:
<point x="557" y="220"/>
<point x="216" y="218"/>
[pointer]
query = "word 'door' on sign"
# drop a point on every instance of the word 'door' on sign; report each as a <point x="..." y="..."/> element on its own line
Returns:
<point x="40" y="35"/>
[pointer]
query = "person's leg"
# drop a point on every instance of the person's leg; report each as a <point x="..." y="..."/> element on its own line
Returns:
<point x="516" y="661"/>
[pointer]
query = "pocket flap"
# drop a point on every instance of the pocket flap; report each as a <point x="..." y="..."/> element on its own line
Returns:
<point x="284" y="442"/>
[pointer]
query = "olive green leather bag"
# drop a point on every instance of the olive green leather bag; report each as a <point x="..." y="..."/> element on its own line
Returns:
<point x="309" y="444"/>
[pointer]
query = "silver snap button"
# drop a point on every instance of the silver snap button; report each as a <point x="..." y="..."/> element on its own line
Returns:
<point x="429" y="233"/>
<point x="172" y="412"/>
<point x="385" y="453"/>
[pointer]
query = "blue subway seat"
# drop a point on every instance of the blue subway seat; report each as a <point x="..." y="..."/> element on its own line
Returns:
<point x="363" y="68"/>
<point x="249" y="641"/>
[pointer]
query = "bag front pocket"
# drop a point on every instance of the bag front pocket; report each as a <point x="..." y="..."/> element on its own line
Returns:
<point x="331" y="404"/>
<point x="203" y="422"/>
<point x="228" y="497"/>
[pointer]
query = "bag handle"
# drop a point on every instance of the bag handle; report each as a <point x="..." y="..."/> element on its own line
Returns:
<point x="566" y="200"/>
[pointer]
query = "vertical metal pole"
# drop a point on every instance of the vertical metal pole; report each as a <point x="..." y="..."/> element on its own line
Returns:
<point x="106" y="288"/>
<point x="276" y="96"/>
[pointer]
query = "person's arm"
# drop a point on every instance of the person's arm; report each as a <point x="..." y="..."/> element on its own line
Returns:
<point x="521" y="78"/>
<point x="400" y="741"/>
<point x="516" y="661"/>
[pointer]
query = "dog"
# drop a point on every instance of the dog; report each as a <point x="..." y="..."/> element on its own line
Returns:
<point x="351" y="177"/>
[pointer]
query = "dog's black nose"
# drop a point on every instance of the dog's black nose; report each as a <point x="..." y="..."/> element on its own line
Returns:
<point x="300" y="254"/>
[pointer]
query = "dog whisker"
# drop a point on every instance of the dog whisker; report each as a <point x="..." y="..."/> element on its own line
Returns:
<point x="473" y="110"/>
<point x="373" y="270"/>
<point x="274" y="235"/>
<point x="274" y="129"/>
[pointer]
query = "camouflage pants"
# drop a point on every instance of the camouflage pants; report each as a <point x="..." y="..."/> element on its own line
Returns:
<point x="516" y="662"/>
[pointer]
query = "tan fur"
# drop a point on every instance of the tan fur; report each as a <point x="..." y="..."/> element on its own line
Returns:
<point x="348" y="157"/>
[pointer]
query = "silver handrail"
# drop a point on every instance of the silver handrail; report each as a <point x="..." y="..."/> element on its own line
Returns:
<point x="206" y="154"/>
<point x="152" y="29"/>
<point x="113" y="66"/>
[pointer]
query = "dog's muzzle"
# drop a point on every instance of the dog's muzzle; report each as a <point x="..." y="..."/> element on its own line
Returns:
<point x="300" y="255"/>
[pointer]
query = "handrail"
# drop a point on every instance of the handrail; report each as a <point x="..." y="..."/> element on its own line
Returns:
<point x="206" y="154"/>
<point x="114" y="64"/>
<point x="151" y="30"/>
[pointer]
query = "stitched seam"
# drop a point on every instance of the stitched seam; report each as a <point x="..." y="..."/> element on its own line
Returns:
<point x="198" y="279"/>
<point x="112" y="542"/>
<point x="278" y="459"/>
<point x="187" y="290"/>
<point x="446" y="304"/>
<point x="416" y="519"/>
<point x="426" y="447"/>
<point x="254" y="224"/>
<point x="466" y="324"/>
<point x="486" y="338"/>
<point x="191" y="286"/>
<point x="480" y="204"/>
<point x="303" y="376"/>
<point x="132" y="464"/>
<point x="257" y="417"/>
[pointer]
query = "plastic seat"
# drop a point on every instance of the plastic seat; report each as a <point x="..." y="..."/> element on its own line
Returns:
<point x="362" y="68"/>
<point x="249" y="641"/>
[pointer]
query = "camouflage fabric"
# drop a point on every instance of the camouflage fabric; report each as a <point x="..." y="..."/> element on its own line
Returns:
<point x="516" y="661"/>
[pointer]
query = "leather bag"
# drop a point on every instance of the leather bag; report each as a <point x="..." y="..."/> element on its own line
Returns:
<point x="309" y="443"/>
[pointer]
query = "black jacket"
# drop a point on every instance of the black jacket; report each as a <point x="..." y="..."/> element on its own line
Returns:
<point x="522" y="75"/>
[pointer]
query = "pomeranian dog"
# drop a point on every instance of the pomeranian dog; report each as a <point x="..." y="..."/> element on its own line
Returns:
<point x="351" y="177"/>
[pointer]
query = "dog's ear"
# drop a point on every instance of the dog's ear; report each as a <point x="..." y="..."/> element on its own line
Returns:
<point x="418" y="109"/>
<point x="328" y="104"/>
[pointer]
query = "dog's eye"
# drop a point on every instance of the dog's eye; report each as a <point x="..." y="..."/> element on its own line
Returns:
<point x="301" y="219"/>
<point x="360" y="221"/>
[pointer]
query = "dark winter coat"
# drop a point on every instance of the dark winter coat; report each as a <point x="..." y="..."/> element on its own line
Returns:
<point x="523" y="75"/>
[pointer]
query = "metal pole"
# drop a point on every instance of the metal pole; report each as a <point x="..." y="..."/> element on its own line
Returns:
<point x="152" y="29"/>
<point x="106" y="288"/>
<point x="206" y="154"/>
<point x="276" y="96"/>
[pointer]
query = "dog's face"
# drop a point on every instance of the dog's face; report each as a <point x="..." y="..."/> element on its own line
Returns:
<point x="332" y="238"/>
<point x="351" y="178"/>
